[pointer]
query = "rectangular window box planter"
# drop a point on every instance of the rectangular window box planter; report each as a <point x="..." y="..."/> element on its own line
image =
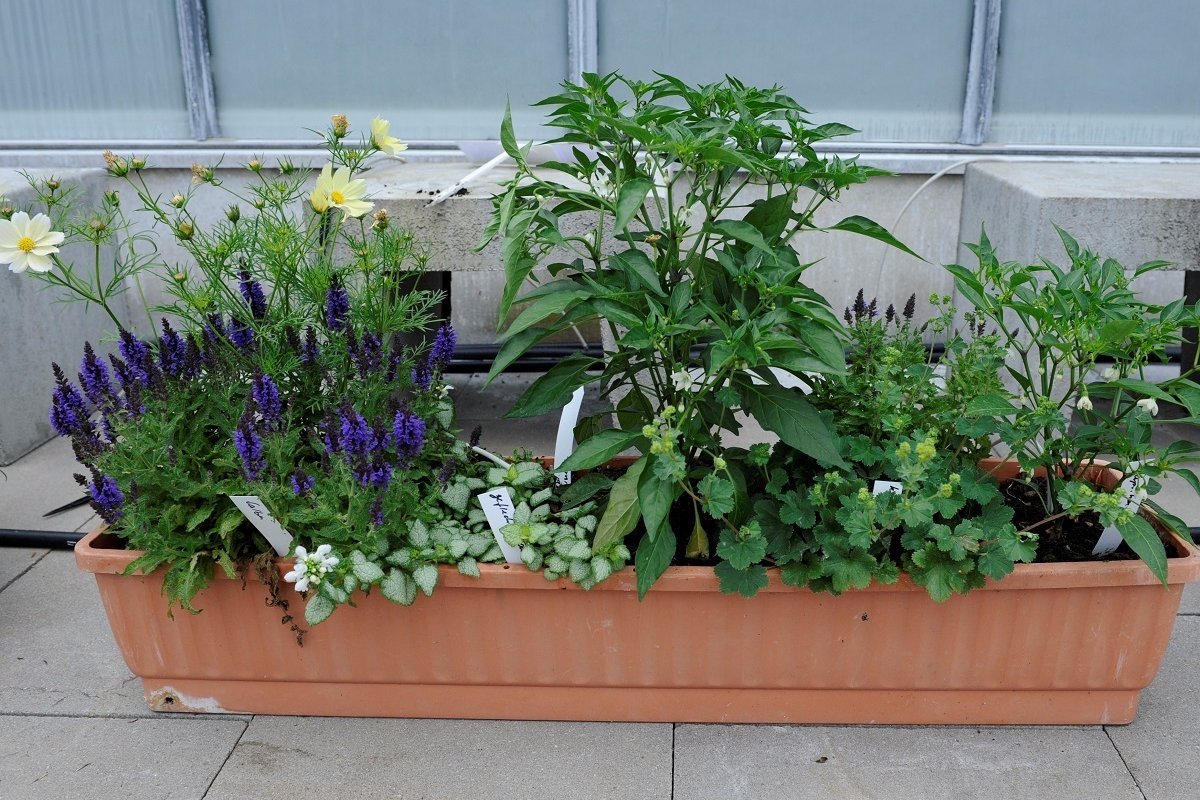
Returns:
<point x="1070" y="643"/>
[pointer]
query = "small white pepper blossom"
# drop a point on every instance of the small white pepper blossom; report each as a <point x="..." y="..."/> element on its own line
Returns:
<point x="1110" y="373"/>
<point x="1149" y="405"/>
<point x="311" y="568"/>
<point x="1084" y="403"/>
<point x="683" y="380"/>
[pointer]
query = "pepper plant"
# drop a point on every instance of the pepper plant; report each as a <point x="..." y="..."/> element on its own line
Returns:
<point x="673" y="228"/>
<point x="1060" y="324"/>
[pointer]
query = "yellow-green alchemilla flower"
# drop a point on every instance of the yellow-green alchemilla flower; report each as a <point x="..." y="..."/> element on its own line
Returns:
<point x="381" y="137"/>
<point x="27" y="242"/>
<point x="339" y="190"/>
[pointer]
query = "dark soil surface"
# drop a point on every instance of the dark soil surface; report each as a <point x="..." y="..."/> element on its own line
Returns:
<point x="1064" y="539"/>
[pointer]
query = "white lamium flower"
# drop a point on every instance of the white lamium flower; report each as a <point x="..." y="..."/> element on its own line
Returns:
<point x="1084" y="403"/>
<point x="311" y="568"/>
<point x="28" y="243"/>
<point x="1149" y="405"/>
<point x="381" y="137"/>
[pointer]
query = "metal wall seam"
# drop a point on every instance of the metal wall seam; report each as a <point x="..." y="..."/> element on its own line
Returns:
<point x="197" y="68"/>
<point x="583" y="39"/>
<point x="981" y="72"/>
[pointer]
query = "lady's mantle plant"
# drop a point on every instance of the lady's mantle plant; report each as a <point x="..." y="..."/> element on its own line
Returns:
<point x="673" y="227"/>
<point x="291" y="365"/>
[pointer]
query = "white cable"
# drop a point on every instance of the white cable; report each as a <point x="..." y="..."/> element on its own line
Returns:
<point x="904" y="208"/>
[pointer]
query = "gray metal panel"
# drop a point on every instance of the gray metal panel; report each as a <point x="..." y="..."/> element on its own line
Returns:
<point x="981" y="72"/>
<point x="197" y="68"/>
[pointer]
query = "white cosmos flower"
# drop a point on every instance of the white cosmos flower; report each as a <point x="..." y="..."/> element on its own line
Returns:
<point x="339" y="190"/>
<point x="28" y="243"/>
<point x="381" y="137"/>
<point x="1084" y="403"/>
<point x="1149" y="405"/>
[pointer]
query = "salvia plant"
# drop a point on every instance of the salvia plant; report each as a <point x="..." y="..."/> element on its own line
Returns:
<point x="295" y="363"/>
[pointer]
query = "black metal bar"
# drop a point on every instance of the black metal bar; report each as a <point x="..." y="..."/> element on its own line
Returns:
<point x="64" y="540"/>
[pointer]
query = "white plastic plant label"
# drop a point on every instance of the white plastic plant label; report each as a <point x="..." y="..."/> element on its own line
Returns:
<point x="498" y="506"/>
<point x="880" y="487"/>
<point x="564" y="445"/>
<point x="1110" y="538"/>
<point x="256" y="511"/>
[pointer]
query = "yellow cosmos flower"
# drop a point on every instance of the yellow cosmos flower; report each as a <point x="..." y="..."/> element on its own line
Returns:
<point x="27" y="243"/>
<point x="381" y="137"/>
<point x="338" y="190"/>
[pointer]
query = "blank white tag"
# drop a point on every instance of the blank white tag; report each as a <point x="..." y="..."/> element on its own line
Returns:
<point x="564" y="445"/>
<point x="498" y="506"/>
<point x="1110" y="539"/>
<point x="268" y="526"/>
<point x="880" y="487"/>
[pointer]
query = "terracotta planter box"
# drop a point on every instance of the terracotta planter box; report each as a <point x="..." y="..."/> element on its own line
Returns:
<point x="1049" y="644"/>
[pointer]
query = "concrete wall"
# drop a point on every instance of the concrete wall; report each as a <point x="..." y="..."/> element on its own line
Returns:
<point x="36" y="329"/>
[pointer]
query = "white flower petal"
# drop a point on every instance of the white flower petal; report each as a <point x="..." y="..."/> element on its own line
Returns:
<point x="8" y="234"/>
<point x="39" y="263"/>
<point x="38" y="227"/>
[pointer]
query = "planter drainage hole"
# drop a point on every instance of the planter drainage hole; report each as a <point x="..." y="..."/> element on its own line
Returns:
<point x="865" y="617"/>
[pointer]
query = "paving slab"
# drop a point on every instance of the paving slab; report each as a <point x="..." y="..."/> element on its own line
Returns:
<point x="724" y="762"/>
<point x="1191" y="599"/>
<point x="38" y="482"/>
<point x="1162" y="746"/>
<point x="286" y="758"/>
<point x="15" y="560"/>
<point x="57" y="654"/>
<point x="72" y="758"/>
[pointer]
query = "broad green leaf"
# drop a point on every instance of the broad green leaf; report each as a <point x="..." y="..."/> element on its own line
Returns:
<point x="991" y="405"/>
<point x="743" y="232"/>
<point x="622" y="512"/>
<point x="1118" y="330"/>
<point x="770" y="217"/>
<point x="399" y="587"/>
<point x="426" y="577"/>
<point x="787" y="413"/>
<point x="318" y="609"/>
<point x="741" y="553"/>
<point x="599" y="449"/>
<point x="584" y="489"/>
<point x="512" y="349"/>
<point x="746" y="582"/>
<point x="866" y="227"/>
<point x="1144" y="540"/>
<point x="629" y="200"/>
<point x="652" y="559"/>
<point x="542" y="307"/>
<point x="508" y="139"/>
<point x="554" y="388"/>
<point x="363" y="569"/>
<point x="656" y="496"/>
<point x="639" y="265"/>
